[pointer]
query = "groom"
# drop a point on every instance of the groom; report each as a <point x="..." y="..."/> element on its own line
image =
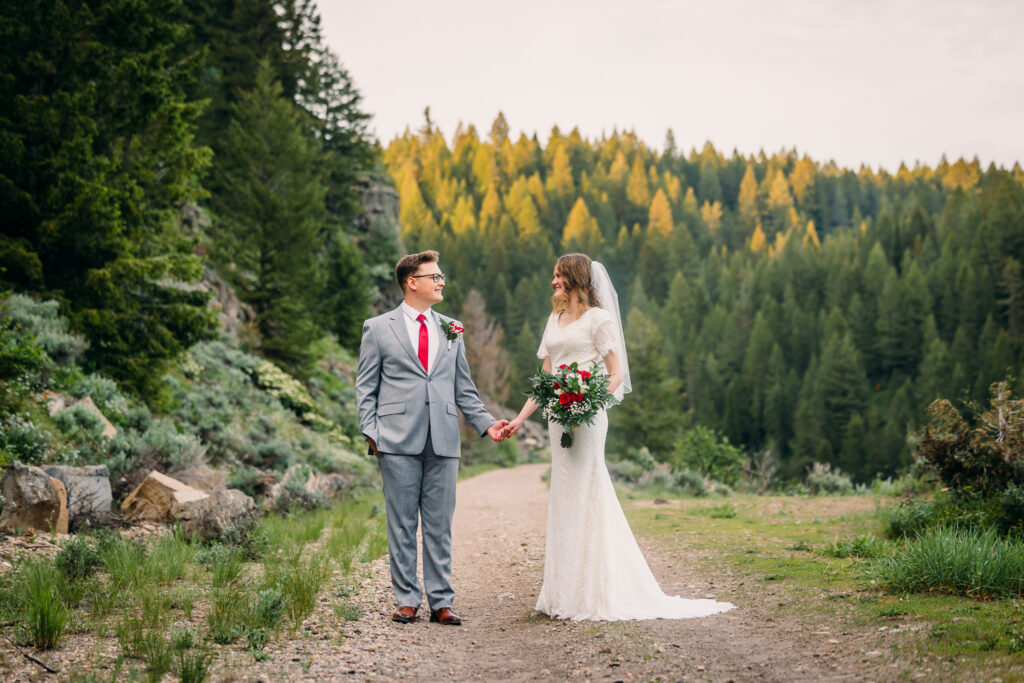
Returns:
<point x="412" y="374"/>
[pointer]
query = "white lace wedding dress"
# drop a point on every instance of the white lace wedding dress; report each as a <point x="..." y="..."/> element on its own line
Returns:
<point x="593" y="567"/>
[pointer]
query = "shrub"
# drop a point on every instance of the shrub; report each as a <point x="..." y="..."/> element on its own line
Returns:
<point x="951" y="559"/>
<point x="983" y="451"/>
<point x="822" y="479"/>
<point x="691" y="482"/>
<point x="77" y="560"/>
<point x="42" y="319"/>
<point x="709" y="453"/>
<point x="23" y="440"/>
<point x="294" y="495"/>
<point x="908" y="519"/>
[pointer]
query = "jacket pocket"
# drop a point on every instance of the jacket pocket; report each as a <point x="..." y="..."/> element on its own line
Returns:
<point x="390" y="409"/>
<point x="451" y="409"/>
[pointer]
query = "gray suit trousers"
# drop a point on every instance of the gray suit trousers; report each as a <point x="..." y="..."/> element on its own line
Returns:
<point x="420" y="487"/>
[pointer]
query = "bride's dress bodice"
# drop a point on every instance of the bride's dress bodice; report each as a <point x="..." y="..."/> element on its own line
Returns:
<point x="593" y="567"/>
<point x="585" y="340"/>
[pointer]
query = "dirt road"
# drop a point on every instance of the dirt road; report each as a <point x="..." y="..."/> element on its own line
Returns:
<point x="499" y="550"/>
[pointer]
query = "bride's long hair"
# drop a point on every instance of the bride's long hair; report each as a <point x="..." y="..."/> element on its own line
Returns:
<point x="575" y="271"/>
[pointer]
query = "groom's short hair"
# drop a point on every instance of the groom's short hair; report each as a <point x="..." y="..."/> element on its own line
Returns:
<point x="411" y="263"/>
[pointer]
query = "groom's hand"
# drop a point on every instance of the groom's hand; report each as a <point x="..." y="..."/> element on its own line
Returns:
<point x="373" y="446"/>
<point x="497" y="430"/>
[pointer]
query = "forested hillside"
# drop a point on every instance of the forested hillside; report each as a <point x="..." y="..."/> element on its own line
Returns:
<point x="145" y="141"/>
<point x="800" y="308"/>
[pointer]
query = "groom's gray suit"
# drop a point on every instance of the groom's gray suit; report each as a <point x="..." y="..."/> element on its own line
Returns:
<point x="410" y="415"/>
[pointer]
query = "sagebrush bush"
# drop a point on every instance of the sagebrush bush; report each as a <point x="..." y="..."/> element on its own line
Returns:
<point x="77" y="559"/>
<point x="691" y="482"/>
<point x="823" y="479"/>
<point x="21" y="439"/>
<point x="51" y="331"/>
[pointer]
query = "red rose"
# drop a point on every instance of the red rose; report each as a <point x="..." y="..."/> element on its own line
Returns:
<point x="557" y="386"/>
<point x="584" y="374"/>
<point x="578" y="397"/>
<point x="563" y="366"/>
<point x="565" y="399"/>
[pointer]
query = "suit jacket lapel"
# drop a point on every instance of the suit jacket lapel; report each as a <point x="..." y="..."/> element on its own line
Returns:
<point x="402" y="333"/>
<point x="443" y="344"/>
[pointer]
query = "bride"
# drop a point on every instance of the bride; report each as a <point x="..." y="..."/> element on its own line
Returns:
<point x="593" y="567"/>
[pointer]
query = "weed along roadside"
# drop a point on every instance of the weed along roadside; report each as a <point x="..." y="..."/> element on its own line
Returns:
<point x="168" y="603"/>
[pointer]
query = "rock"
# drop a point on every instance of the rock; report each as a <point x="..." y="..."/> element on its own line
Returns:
<point x="202" y="477"/>
<point x="88" y="489"/>
<point x="221" y="512"/>
<point x="332" y="486"/>
<point x="159" y="498"/>
<point x="56" y="403"/>
<point x="33" y="500"/>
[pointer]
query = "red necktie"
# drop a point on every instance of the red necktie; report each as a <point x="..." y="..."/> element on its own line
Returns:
<point x="424" y="341"/>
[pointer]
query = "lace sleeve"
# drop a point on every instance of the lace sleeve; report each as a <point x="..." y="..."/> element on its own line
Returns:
<point x="542" y="351"/>
<point x="604" y="335"/>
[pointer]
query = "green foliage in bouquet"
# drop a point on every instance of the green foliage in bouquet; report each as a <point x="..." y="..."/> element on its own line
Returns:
<point x="571" y="396"/>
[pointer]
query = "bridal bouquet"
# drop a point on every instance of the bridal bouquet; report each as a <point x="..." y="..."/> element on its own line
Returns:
<point x="571" y="397"/>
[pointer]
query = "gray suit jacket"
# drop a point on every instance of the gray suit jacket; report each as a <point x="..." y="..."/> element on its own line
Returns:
<point x="398" y="400"/>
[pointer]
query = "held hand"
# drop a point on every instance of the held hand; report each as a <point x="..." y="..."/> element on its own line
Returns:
<point x="497" y="430"/>
<point x="512" y="428"/>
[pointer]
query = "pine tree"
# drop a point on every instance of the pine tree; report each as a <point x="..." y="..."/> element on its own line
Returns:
<point x="98" y="161"/>
<point x="581" y="232"/>
<point x="649" y="416"/>
<point x="269" y="219"/>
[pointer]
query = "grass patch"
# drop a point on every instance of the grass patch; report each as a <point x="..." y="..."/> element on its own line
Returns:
<point x="725" y="511"/>
<point x="959" y="561"/>
<point x="861" y="547"/>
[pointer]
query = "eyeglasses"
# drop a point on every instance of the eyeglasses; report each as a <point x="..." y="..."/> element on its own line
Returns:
<point x="436" y="277"/>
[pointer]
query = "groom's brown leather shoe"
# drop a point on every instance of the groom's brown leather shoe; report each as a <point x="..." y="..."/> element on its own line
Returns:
<point x="446" y="617"/>
<point x="404" y="615"/>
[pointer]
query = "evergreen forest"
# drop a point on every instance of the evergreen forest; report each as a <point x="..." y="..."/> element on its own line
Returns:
<point x="804" y="311"/>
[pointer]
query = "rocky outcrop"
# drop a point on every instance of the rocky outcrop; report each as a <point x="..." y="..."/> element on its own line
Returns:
<point x="33" y="500"/>
<point x="381" y="207"/>
<point x="88" y="490"/>
<point x="201" y="476"/>
<point x="160" y="498"/>
<point x="232" y="312"/>
<point x="224" y="511"/>
<point x="55" y="403"/>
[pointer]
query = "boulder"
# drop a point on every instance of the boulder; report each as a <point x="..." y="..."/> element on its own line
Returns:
<point x="160" y="498"/>
<point x="222" y="512"/>
<point x="55" y="403"/>
<point x="33" y="500"/>
<point x="202" y="477"/>
<point x="88" y="489"/>
<point x="332" y="486"/>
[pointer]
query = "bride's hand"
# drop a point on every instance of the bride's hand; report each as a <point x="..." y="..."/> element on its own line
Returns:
<point x="512" y="427"/>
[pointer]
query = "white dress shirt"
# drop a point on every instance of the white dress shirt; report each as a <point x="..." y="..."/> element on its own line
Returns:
<point x="433" y="332"/>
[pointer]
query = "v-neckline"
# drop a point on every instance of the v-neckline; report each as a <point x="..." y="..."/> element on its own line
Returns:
<point x="579" y="318"/>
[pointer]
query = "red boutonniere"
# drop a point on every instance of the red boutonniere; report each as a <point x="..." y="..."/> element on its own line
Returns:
<point x="452" y="331"/>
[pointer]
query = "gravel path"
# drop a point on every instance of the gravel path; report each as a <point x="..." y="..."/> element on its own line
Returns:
<point x="499" y="551"/>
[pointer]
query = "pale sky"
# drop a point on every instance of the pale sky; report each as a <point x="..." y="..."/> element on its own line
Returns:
<point x="871" y="81"/>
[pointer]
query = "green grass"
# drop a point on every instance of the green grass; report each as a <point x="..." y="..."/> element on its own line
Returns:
<point x="145" y="592"/>
<point x="954" y="560"/>
<point x="46" y="615"/>
<point x="813" y="557"/>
